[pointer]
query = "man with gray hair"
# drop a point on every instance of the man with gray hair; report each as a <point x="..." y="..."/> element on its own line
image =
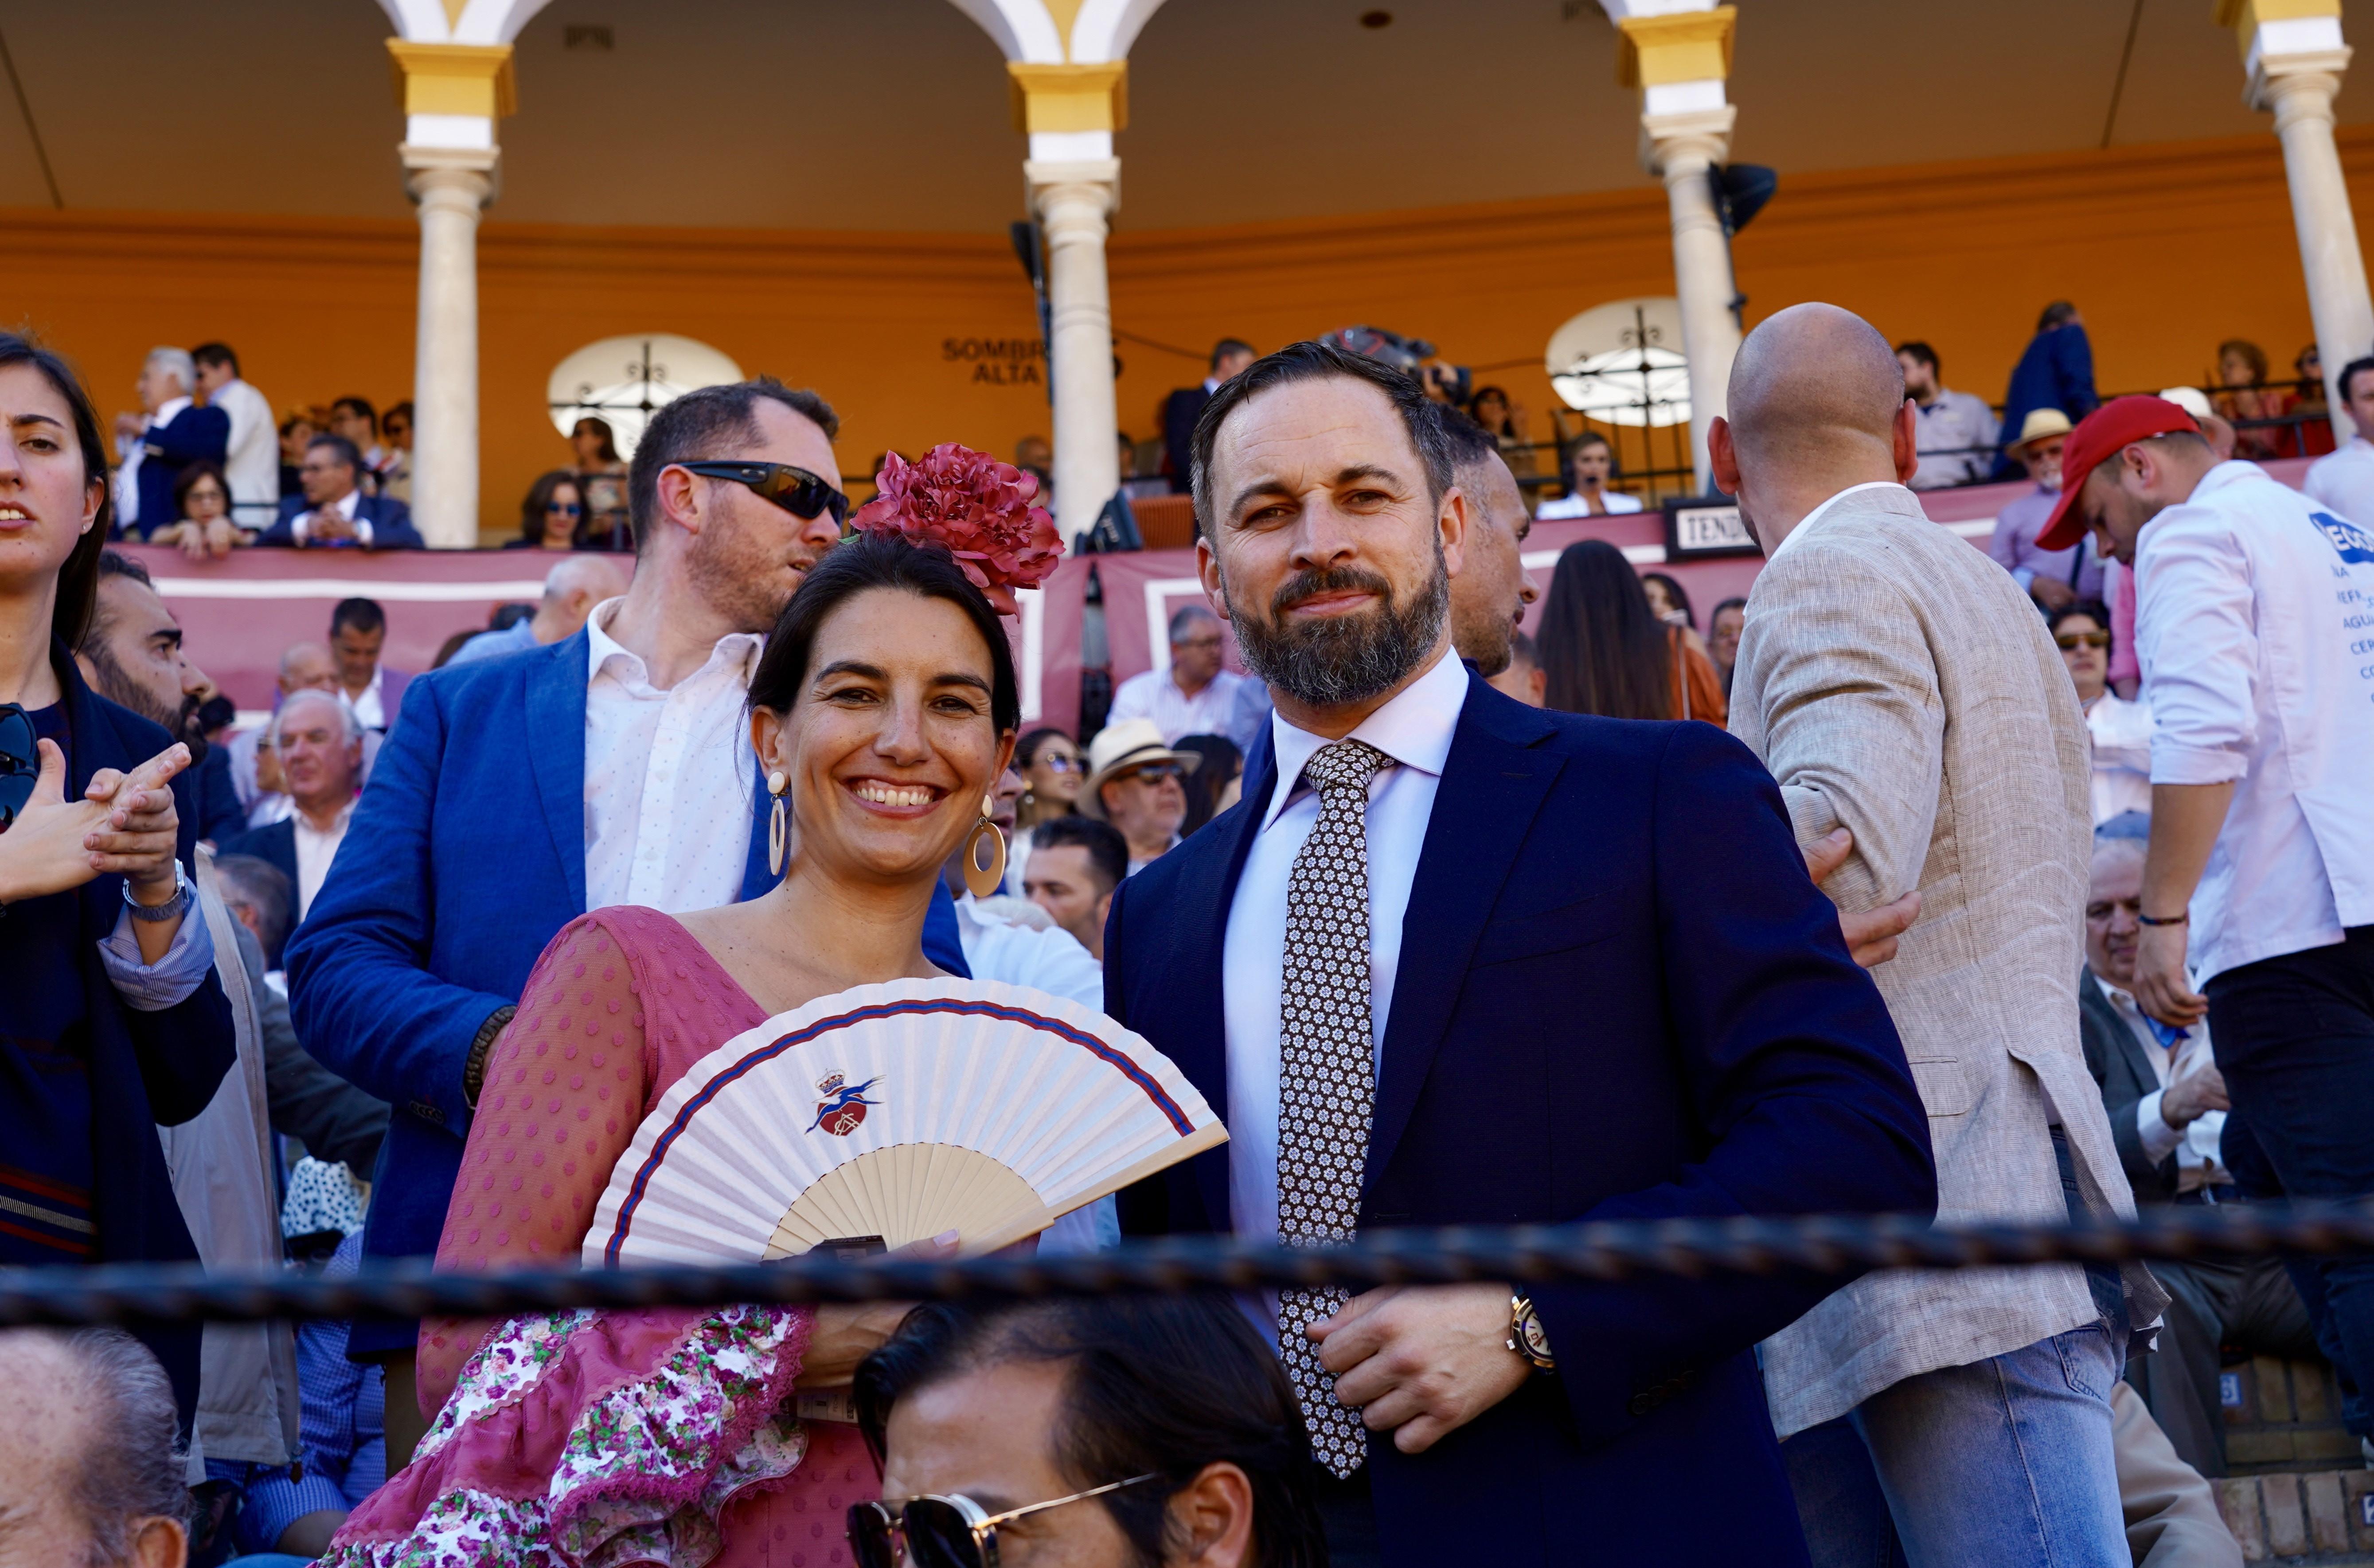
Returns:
<point x="320" y="744"/>
<point x="1897" y="685"/>
<point x="571" y="589"/>
<point x="157" y="444"/>
<point x="94" y="1470"/>
<point x="1195" y="695"/>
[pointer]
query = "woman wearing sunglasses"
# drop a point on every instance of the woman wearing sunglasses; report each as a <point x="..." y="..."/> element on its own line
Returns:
<point x="883" y="713"/>
<point x="2120" y="730"/>
<point x="110" y="1019"/>
<point x="553" y="515"/>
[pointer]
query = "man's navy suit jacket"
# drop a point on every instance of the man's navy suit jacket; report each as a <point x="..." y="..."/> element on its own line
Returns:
<point x="464" y="857"/>
<point x="389" y="519"/>
<point x="1619" y="997"/>
<point x="194" y="434"/>
<point x="275" y="843"/>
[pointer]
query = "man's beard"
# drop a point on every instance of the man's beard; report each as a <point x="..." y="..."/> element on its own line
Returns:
<point x="1333" y="660"/>
<point x="739" y="579"/>
<point x="121" y="690"/>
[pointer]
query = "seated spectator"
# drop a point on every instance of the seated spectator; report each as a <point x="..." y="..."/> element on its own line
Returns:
<point x="259" y="896"/>
<point x="1723" y="638"/>
<point x="1135" y="782"/>
<point x="1606" y="652"/>
<point x="571" y="588"/>
<point x="2054" y="579"/>
<point x="297" y="432"/>
<point x="1182" y="407"/>
<point x="2121" y="731"/>
<point x="1525" y="678"/>
<point x="1956" y="441"/>
<point x="552" y="517"/>
<point x="358" y="633"/>
<point x="2251" y="405"/>
<point x="1195" y="695"/>
<point x="302" y="664"/>
<point x="96" y="1470"/>
<point x="321" y="749"/>
<point x="2167" y="1108"/>
<point x="602" y="478"/>
<point x="1589" y="465"/>
<point x="202" y="502"/>
<point x="1506" y="423"/>
<point x="2056" y="371"/>
<point x="249" y="464"/>
<point x="2344" y="481"/>
<point x="162" y="443"/>
<point x="332" y="511"/>
<point x="1073" y="865"/>
<point x="1154" y="1429"/>
<point x="395" y="474"/>
<point x="355" y="419"/>
<point x="1213" y="786"/>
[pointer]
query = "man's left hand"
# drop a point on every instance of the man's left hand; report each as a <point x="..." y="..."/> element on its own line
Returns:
<point x="1422" y="1361"/>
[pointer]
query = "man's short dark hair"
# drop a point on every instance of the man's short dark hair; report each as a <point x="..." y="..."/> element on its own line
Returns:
<point x="1919" y="353"/>
<point x="112" y="563"/>
<point x="215" y="353"/>
<point x="1157" y="1384"/>
<point x="115" y="563"/>
<point x="1310" y="361"/>
<point x="1227" y="346"/>
<point x="2058" y="313"/>
<point x="1187" y="616"/>
<point x="710" y="422"/>
<point x="361" y="406"/>
<point x="349" y="453"/>
<point x="2354" y="368"/>
<point x="264" y="888"/>
<point x="1108" y="850"/>
<point x="1469" y="442"/>
<point x="363" y="614"/>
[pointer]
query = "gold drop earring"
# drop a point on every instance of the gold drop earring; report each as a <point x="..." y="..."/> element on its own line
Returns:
<point x="776" y="829"/>
<point x="985" y="880"/>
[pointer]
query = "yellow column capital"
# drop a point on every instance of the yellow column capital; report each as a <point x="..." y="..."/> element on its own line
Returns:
<point x="1069" y="97"/>
<point x="455" y="78"/>
<point x="2244" y="17"/>
<point x="1685" y="46"/>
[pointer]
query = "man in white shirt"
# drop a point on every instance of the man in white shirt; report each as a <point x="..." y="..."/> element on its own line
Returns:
<point x="302" y="665"/>
<point x="2253" y="608"/>
<point x="2167" y="1105"/>
<point x="2343" y="480"/>
<point x="1195" y="695"/>
<point x="370" y="690"/>
<point x="252" y="464"/>
<point x="1956" y="440"/>
<point x="320" y="744"/>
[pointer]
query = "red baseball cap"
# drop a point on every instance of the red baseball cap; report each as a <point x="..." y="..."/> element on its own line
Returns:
<point x="2098" y="436"/>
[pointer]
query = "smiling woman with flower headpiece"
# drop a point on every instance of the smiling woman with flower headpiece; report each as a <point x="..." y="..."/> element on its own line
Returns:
<point x="883" y="712"/>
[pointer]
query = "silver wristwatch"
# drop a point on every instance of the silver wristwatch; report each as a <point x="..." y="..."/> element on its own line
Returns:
<point x="173" y="908"/>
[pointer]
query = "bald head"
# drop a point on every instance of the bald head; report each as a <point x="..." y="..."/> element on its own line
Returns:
<point x="307" y="664"/>
<point x="570" y="592"/>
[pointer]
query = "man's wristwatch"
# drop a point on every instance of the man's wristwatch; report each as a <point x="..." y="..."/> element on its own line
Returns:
<point x="173" y="908"/>
<point x="1526" y="1335"/>
<point x="474" y="1067"/>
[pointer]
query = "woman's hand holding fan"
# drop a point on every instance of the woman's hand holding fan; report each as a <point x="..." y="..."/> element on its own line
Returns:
<point x="847" y="1332"/>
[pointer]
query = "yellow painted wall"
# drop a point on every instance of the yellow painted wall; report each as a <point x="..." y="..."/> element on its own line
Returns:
<point x="2165" y="249"/>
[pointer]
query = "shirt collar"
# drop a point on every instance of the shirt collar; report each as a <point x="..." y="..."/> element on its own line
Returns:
<point x="741" y="647"/>
<point x="345" y="507"/>
<point x="1414" y="728"/>
<point x="1805" y="524"/>
<point x="168" y="411"/>
<point x="346" y="814"/>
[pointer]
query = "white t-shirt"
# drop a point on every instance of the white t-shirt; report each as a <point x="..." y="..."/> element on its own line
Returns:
<point x="1559" y="508"/>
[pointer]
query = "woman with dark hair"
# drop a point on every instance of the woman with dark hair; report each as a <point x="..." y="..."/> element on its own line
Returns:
<point x="202" y="503"/>
<point x="1504" y="422"/>
<point x="1606" y="652"/>
<point x="1589" y="463"/>
<point x="883" y="713"/>
<point x="553" y="515"/>
<point x="110" y="1019"/>
<point x="602" y="480"/>
<point x="1049" y="764"/>
<point x="1208" y="786"/>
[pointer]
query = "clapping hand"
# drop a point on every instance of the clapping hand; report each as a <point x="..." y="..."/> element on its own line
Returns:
<point x="1871" y="936"/>
<point x="125" y="825"/>
<point x="329" y="526"/>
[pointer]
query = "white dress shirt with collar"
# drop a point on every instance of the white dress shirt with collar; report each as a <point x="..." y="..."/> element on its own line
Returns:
<point x="1414" y="728"/>
<point x="316" y="848"/>
<point x="2120" y="733"/>
<point x="1805" y="524"/>
<point x="1153" y="694"/>
<point x="369" y="706"/>
<point x="668" y="776"/>
<point x="2254" y="620"/>
<point x="302" y="527"/>
<point x="2343" y="480"/>
<point x="2199" y="1161"/>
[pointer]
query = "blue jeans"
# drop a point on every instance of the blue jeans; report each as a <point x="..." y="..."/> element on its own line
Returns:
<point x="2006" y="1462"/>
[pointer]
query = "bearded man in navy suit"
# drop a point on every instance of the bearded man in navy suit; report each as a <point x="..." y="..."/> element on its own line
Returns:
<point x="1458" y="961"/>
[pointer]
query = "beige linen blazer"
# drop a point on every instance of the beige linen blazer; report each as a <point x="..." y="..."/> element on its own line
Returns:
<point x="1896" y="682"/>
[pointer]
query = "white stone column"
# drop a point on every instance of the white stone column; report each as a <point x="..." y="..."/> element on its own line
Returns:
<point x="1073" y="199"/>
<point x="2337" y="298"/>
<point x="451" y="186"/>
<point x="1683" y="149"/>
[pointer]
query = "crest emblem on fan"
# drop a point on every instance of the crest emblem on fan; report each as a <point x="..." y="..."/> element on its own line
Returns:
<point x="1011" y="1108"/>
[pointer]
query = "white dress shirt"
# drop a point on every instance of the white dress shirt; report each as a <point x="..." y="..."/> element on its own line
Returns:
<point x="2254" y="622"/>
<point x="2343" y="480"/>
<point x="2199" y="1162"/>
<point x="2122" y="733"/>
<point x="1805" y="524"/>
<point x="316" y="848"/>
<point x="1561" y="507"/>
<point x="668" y="776"/>
<point x="301" y="527"/>
<point x="1414" y="728"/>
<point x="251" y="462"/>
<point x="1152" y="694"/>
<point x="370" y="705"/>
<point x="127" y="474"/>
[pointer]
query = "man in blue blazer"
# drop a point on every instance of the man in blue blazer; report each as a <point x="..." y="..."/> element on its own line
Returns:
<point x="613" y="766"/>
<point x="332" y="512"/>
<point x="1479" y="963"/>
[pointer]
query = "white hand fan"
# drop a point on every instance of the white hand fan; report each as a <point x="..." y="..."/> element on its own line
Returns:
<point x="902" y="1110"/>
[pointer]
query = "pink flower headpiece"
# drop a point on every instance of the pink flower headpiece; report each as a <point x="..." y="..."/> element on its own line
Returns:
<point x="978" y="508"/>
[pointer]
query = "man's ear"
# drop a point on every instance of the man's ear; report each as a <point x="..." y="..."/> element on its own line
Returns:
<point x="680" y="498"/>
<point x="1905" y="437"/>
<point x="1207" y="570"/>
<point x="160" y="1543"/>
<point x="1722" y="456"/>
<point x="1451" y="526"/>
<point x="90" y="671"/>
<point x="1212" y="1520"/>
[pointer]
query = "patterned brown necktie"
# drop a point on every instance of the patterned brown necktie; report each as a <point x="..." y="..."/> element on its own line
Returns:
<point x="1326" y="1081"/>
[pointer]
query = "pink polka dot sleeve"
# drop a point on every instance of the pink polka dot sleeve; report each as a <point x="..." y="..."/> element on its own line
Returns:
<point x="563" y="1094"/>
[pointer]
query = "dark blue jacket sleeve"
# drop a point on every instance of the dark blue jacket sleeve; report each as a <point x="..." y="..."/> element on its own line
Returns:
<point x="183" y="1050"/>
<point x="1795" y="1068"/>
<point x="359" y="983"/>
<point x="392" y="529"/>
<point x="2073" y="369"/>
<point x="195" y="434"/>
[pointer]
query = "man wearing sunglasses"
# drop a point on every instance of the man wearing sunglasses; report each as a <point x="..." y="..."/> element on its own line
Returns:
<point x="2120" y="730"/>
<point x="611" y="767"/>
<point x="1135" y="782"/>
<point x="1129" y="1432"/>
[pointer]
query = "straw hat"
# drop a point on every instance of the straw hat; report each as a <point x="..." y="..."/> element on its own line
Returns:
<point x="2041" y="424"/>
<point x="1132" y="742"/>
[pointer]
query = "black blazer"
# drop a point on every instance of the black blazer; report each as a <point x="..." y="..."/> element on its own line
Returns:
<point x="2116" y="1060"/>
<point x="1619" y="998"/>
<point x="277" y="843"/>
<point x="1180" y="412"/>
<point x="146" y="1067"/>
<point x="389" y="519"/>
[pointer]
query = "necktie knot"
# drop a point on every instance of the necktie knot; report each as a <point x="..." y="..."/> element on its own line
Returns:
<point x="1344" y="764"/>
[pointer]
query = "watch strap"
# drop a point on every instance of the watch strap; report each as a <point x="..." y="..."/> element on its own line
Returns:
<point x="173" y="908"/>
<point x="474" y="1069"/>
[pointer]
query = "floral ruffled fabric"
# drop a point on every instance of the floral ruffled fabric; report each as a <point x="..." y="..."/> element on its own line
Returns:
<point x="594" y="1440"/>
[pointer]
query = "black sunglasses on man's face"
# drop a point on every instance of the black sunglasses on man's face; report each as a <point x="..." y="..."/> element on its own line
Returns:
<point x="795" y="490"/>
<point x="20" y="762"/>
